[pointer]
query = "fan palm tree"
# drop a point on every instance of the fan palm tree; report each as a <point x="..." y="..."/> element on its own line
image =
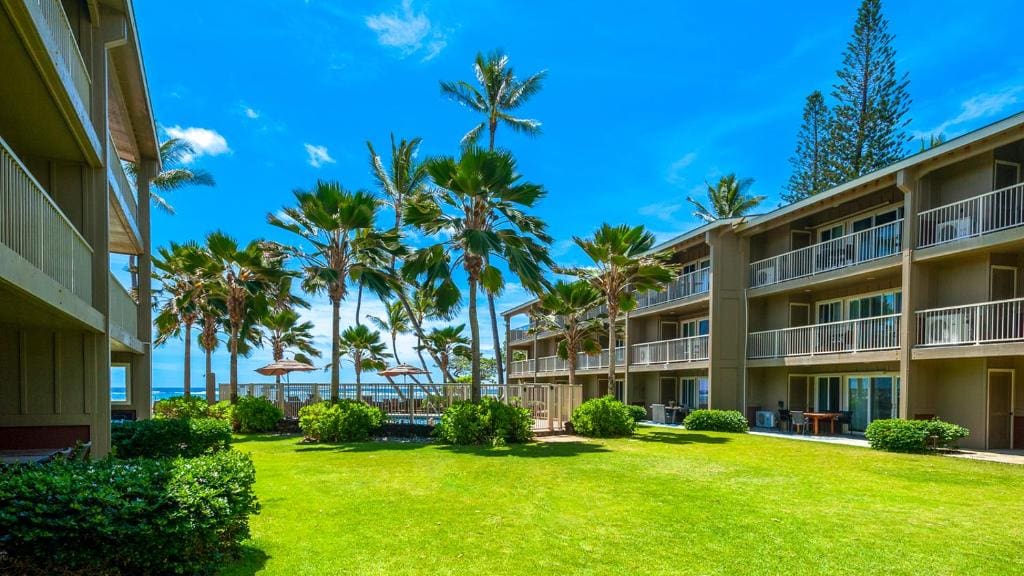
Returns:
<point x="479" y="208"/>
<point x="246" y="279"/>
<point x="339" y="228"/>
<point x="564" y="308"/>
<point x="622" y="264"/>
<point x="395" y="321"/>
<point x="177" y="270"/>
<point x="726" y="199"/>
<point x="211" y="322"/>
<point x="499" y="94"/>
<point x="365" y="350"/>
<point x="173" y="153"/>
<point x="283" y="331"/>
<point x="446" y="343"/>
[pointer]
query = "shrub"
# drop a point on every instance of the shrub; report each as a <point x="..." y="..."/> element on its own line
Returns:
<point x="222" y="410"/>
<point x="255" y="414"/>
<point x="603" y="418"/>
<point x="346" y="421"/>
<point x="181" y="407"/>
<point x="486" y="422"/>
<point x="639" y="413"/>
<point x="897" y="435"/>
<point x="165" y="438"/>
<point x="172" y="516"/>
<point x="716" y="421"/>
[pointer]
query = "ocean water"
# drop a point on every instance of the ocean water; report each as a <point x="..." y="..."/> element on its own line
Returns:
<point x="118" y="392"/>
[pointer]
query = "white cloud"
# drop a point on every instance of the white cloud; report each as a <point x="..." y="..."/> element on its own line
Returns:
<point x="675" y="169"/>
<point x="664" y="211"/>
<point x="204" y="141"/>
<point x="407" y="31"/>
<point x="977" y="107"/>
<point x="250" y="113"/>
<point x="318" y="155"/>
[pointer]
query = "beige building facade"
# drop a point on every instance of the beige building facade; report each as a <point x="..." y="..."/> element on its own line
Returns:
<point x="74" y="107"/>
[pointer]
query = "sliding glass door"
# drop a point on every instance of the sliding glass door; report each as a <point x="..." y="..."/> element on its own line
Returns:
<point x="870" y="398"/>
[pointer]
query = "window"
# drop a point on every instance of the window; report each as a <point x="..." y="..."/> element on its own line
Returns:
<point x="831" y="311"/>
<point x="874" y="305"/>
<point x="826" y="393"/>
<point x="830" y="233"/>
<point x="698" y="327"/>
<point x="120" y="391"/>
<point x="871" y="398"/>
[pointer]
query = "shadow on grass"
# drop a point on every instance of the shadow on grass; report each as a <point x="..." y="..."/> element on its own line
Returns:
<point x="378" y="446"/>
<point x="531" y="450"/>
<point x="251" y="561"/>
<point x="681" y="438"/>
<point x="256" y="438"/>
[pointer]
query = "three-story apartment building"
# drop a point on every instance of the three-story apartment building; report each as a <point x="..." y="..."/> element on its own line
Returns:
<point x="894" y="295"/>
<point x="74" y="106"/>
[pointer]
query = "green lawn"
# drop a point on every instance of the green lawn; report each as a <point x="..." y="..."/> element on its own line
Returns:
<point x="663" y="502"/>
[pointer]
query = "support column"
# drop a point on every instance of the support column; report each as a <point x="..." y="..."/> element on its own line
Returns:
<point x="625" y="359"/>
<point x="912" y="287"/>
<point x="726" y="314"/>
<point x="142" y="367"/>
<point x="508" y="350"/>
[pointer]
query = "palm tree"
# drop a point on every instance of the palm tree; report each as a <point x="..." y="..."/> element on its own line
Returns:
<point x="246" y="280"/>
<point x="176" y="269"/>
<point x="447" y="342"/>
<point x="340" y="228"/>
<point x="395" y="322"/>
<point x="564" y="308"/>
<point x="283" y="331"/>
<point x="175" y="175"/>
<point x="366" y="351"/>
<point x="402" y="178"/>
<point x="498" y="95"/>
<point x="727" y="199"/>
<point x="479" y="209"/>
<point x="211" y="320"/>
<point x="622" y="264"/>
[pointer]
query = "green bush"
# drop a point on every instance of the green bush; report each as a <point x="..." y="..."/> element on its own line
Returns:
<point x="165" y="438"/>
<point x="639" y="413"/>
<point x="603" y="418"/>
<point x="255" y="414"/>
<point x="181" y="407"/>
<point x="171" y="516"/>
<point x="897" y="435"/>
<point x="489" y="422"/>
<point x="346" y="421"/>
<point x="716" y="421"/>
<point x="222" y="410"/>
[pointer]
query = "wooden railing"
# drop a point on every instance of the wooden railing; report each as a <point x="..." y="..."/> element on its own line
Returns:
<point x="69" y="56"/>
<point x="677" y="350"/>
<point x="523" y="366"/>
<point x="991" y="212"/>
<point x="124" y="312"/>
<point x="1000" y="321"/>
<point x="34" y="227"/>
<point x="847" y="336"/>
<point x="690" y="284"/>
<point x="117" y="174"/>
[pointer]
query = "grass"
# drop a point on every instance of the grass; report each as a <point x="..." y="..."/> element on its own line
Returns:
<point x="663" y="502"/>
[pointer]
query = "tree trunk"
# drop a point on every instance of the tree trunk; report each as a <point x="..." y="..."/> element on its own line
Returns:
<point x="359" y="381"/>
<point x="233" y="374"/>
<point x="420" y="336"/>
<point x="335" y="349"/>
<point x="188" y="360"/>
<point x="394" y="347"/>
<point x="359" y="302"/>
<point x="571" y="364"/>
<point x="423" y="362"/>
<point x="211" y="390"/>
<point x="474" y="329"/>
<point x="612" y="317"/>
<point x="498" y="360"/>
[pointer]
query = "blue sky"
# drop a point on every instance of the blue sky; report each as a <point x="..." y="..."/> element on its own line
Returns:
<point x="642" y="105"/>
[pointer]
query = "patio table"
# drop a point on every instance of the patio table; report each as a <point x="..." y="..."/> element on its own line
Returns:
<point x="816" y="417"/>
<point x="33" y="456"/>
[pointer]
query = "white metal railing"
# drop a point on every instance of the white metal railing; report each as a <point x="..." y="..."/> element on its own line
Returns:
<point x="523" y="366"/>
<point x="520" y="333"/>
<point x="68" y="56"/>
<point x="1000" y="321"/>
<point x="596" y="361"/>
<point x="991" y="212"/>
<point x="116" y="172"/>
<point x="865" y="334"/>
<point x="689" y="284"/>
<point x="33" y="226"/>
<point x="678" y="350"/>
<point x="849" y="250"/>
<point x="551" y="364"/>
<point x="124" y="312"/>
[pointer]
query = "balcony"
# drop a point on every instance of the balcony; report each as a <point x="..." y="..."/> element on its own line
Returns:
<point x="520" y="333"/>
<point x="678" y="350"/>
<point x="523" y="367"/>
<point x="34" y="227"/>
<point x="690" y="284"/>
<point x="984" y="323"/>
<point x="847" y="336"/>
<point x="985" y="214"/>
<point x="842" y="252"/>
<point x="124" y="316"/>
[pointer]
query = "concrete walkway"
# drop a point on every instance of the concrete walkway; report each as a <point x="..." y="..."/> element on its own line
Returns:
<point x="1001" y="456"/>
<point x="842" y="440"/>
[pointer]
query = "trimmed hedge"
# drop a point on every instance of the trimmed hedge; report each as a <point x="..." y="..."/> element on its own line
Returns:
<point x="897" y="435"/>
<point x="346" y="421"/>
<point x="255" y="414"/>
<point x="167" y="438"/>
<point x="487" y="422"/>
<point x="603" y="418"/>
<point x="639" y="413"/>
<point x="715" y="421"/>
<point x="188" y="407"/>
<point x="180" y="516"/>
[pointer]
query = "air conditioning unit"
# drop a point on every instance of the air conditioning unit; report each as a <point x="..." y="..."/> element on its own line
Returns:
<point x="764" y="419"/>
<point x="953" y="229"/>
<point x="765" y="276"/>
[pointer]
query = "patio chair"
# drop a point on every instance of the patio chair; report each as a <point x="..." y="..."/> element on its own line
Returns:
<point x="797" y="422"/>
<point x="784" y="418"/>
<point x="845" y="417"/>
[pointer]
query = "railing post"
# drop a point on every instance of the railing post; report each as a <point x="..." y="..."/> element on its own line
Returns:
<point x="856" y="336"/>
<point x="977" y="324"/>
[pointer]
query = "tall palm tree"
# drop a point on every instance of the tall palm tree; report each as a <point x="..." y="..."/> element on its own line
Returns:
<point x="499" y="94"/>
<point x="479" y="207"/>
<point x="621" y="264"/>
<point x="395" y="321"/>
<point x="283" y="331"/>
<point x="245" y="286"/>
<point x="211" y="321"/>
<point x="564" y="308"/>
<point x="177" y="271"/>
<point x="339" y="227"/>
<point x="365" y="350"/>
<point x="175" y="175"/>
<point x="727" y="199"/>
<point x="447" y="342"/>
<point x="402" y="178"/>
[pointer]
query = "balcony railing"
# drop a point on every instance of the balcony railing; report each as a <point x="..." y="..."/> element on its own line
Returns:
<point x="847" y="336"/>
<point x="520" y="333"/>
<point x="690" y="284"/>
<point x="68" y="56"/>
<point x="1001" y="321"/>
<point x="991" y="212"/>
<point x="123" y="309"/>
<point x="844" y="251"/>
<point x="677" y="350"/>
<point x="34" y="227"/>
<point x="523" y="366"/>
<point x="117" y="174"/>
<point x="596" y="361"/>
